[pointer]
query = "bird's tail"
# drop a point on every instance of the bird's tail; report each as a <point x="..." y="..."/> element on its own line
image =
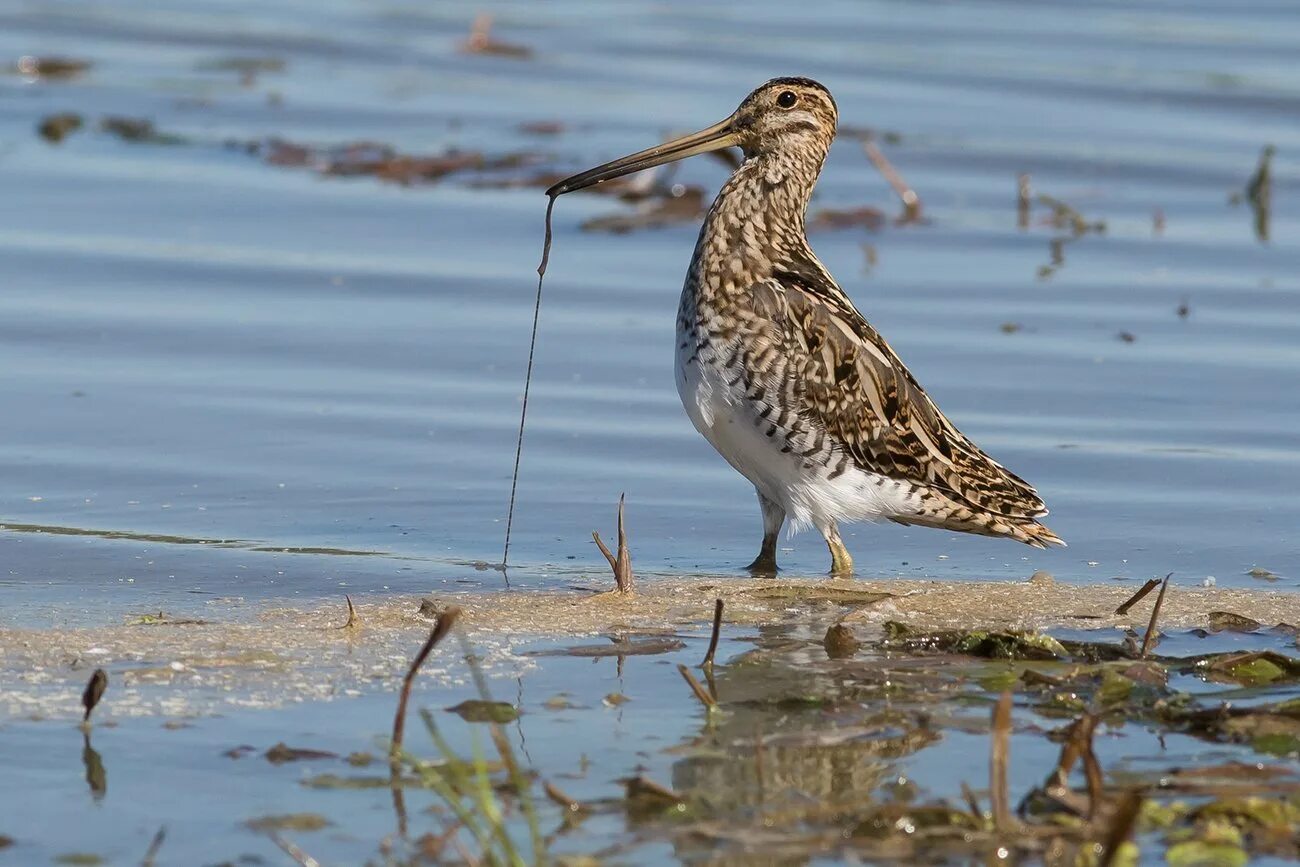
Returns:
<point x="1025" y="530"/>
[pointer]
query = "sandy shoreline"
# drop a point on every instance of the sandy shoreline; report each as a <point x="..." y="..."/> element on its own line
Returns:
<point x="280" y="654"/>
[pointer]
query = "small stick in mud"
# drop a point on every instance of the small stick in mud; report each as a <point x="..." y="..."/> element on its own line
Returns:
<point x="353" y="621"/>
<point x="300" y="857"/>
<point x="713" y="639"/>
<point x="622" y="562"/>
<point x="528" y="379"/>
<point x="700" y="693"/>
<point x="93" y="693"/>
<point x="1149" y="638"/>
<point x="1138" y="596"/>
<point x="151" y="854"/>
<point x="1121" y="826"/>
<point x="446" y="620"/>
<point x="911" y="201"/>
<point x="998" y="757"/>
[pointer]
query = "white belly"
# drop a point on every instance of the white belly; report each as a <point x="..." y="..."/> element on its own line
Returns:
<point x="802" y="487"/>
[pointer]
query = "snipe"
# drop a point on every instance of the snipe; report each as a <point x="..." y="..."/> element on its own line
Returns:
<point x="781" y="373"/>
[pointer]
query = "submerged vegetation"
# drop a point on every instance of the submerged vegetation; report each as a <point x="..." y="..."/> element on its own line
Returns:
<point x="820" y="730"/>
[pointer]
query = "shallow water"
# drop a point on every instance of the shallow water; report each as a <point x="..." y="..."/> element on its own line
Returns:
<point x="830" y="730"/>
<point x="231" y="379"/>
<point x="209" y="347"/>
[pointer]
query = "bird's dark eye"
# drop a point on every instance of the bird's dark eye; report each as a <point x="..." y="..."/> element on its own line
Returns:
<point x="787" y="99"/>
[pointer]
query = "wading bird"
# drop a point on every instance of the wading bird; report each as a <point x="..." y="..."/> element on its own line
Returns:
<point x="781" y="373"/>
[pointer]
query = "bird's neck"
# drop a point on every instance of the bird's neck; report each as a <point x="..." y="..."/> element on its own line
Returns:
<point x="756" y="225"/>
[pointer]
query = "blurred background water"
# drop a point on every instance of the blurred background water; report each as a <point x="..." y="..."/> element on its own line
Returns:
<point x="223" y="375"/>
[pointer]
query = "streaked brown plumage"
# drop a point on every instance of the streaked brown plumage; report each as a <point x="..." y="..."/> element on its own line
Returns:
<point x="783" y="375"/>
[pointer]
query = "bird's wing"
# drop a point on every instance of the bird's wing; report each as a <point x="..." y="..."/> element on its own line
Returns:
<point x="848" y="382"/>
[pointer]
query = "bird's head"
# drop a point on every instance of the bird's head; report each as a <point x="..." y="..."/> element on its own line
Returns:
<point x="788" y="122"/>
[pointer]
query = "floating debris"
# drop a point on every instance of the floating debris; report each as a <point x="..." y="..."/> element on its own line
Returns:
<point x="642" y="796"/>
<point x="282" y="753"/>
<point x="992" y="644"/>
<point x="1066" y="218"/>
<point x="871" y="219"/>
<point x="138" y="130"/>
<point x="1226" y="621"/>
<point x="56" y="127"/>
<point x="53" y="67"/>
<point x="290" y="822"/>
<point x="618" y="646"/>
<point x="481" y="41"/>
<point x="543" y="127"/>
<point x="479" y="711"/>
<point x="683" y="204"/>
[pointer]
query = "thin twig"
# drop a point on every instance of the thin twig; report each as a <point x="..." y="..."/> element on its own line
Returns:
<point x="713" y="639"/>
<point x="399" y="798"/>
<point x="1070" y="751"/>
<point x="1121" y="827"/>
<point x="972" y="803"/>
<point x="705" y="699"/>
<point x="911" y="201"/>
<point x="1138" y="596"/>
<point x="299" y="856"/>
<point x="528" y="379"/>
<point x="621" y="562"/>
<point x="352" y="614"/>
<point x="440" y="629"/>
<point x="93" y="693"/>
<point x="998" y="758"/>
<point x="1091" y="766"/>
<point x="1023" y="201"/>
<point x="562" y="800"/>
<point x="151" y="854"/>
<point x="1155" y="615"/>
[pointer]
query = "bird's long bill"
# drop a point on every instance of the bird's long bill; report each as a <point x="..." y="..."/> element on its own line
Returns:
<point x="719" y="136"/>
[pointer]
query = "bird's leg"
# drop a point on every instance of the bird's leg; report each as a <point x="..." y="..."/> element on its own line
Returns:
<point x="773" y="520"/>
<point x="841" y="560"/>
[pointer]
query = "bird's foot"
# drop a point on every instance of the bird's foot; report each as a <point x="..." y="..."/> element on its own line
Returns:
<point x="841" y="560"/>
<point x="764" y="565"/>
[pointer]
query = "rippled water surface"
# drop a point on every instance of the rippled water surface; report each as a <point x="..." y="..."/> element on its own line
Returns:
<point x="235" y="378"/>
<point x="208" y="347"/>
